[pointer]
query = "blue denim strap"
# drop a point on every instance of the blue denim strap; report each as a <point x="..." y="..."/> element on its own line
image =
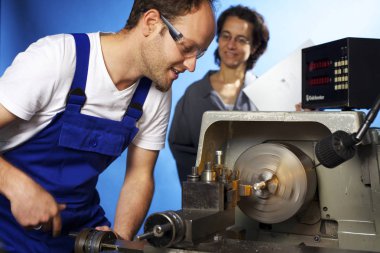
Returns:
<point x="77" y="97"/>
<point x="134" y="109"/>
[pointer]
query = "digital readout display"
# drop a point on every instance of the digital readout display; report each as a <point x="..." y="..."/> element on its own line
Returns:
<point x="320" y="64"/>
<point x="316" y="81"/>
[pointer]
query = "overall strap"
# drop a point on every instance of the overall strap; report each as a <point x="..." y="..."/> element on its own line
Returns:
<point x="76" y="96"/>
<point x="134" y="109"/>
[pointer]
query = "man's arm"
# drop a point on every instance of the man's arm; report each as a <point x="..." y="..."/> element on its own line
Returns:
<point x="137" y="191"/>
<point x="31" y="205"/>
<point x="5" y="116"/>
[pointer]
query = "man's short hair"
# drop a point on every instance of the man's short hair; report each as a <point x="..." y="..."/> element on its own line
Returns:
<point x="170" y="9"/>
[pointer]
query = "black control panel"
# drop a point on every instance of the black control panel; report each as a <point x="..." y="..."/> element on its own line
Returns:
<point x="341" y="74"/>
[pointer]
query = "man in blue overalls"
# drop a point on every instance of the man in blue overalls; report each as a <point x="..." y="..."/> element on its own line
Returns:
<point x="71" y="103"/>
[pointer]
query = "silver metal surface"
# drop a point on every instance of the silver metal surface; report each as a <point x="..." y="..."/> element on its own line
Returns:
<point x="284" y="181"/>
<point x="208" y="174"/>
<point x="273" y="154"/>
<point x="347" y="197"/>
<point x="233" y="131"/>
<point x="238" y="246"/>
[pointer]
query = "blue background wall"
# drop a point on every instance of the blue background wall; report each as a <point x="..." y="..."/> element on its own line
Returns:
<point x="291" y="22"/>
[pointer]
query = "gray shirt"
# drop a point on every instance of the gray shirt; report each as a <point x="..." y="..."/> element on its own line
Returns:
<point x="184" y="133"/>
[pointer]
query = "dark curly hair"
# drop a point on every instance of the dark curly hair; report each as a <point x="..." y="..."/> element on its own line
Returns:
<point x="168" y="8"/>
<point x="260" y="32"/>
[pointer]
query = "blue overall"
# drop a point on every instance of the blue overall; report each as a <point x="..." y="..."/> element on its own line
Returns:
<point x="66" y="159"/>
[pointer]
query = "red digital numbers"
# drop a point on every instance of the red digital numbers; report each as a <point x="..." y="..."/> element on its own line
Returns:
<point x="321" y="64"/>
<point x="319" y="81"/>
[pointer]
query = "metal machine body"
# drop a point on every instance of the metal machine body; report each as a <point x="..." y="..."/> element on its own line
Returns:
<point x="208" y="208"/>
<point x="222" y="246"/>
<point x="344" y="211"/>
<point x="268" y="192"/>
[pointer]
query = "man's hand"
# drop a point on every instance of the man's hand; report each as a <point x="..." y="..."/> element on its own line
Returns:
<point x="107" y="229"/>
<point x="31" y="205"/>
<point x="299" y="108"/>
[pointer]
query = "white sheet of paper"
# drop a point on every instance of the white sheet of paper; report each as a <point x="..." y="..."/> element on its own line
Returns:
<point x="279" y="89"/>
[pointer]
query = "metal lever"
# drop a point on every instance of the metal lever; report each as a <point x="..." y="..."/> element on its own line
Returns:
<point x="157" y="231"/>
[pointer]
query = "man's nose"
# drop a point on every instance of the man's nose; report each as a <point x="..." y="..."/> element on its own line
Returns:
<point x="190" y="63"/>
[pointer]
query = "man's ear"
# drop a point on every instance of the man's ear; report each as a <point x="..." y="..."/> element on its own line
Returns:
<point x="150" y="21"/>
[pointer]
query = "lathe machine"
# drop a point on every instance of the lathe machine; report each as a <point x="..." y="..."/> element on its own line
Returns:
<point x="258" y="185"/>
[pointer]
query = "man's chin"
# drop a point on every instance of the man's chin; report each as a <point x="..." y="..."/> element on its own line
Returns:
<point x="162" y="87"/>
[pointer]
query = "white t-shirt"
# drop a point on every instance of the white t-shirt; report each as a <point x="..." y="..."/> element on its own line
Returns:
<point x="35" y="87"/>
